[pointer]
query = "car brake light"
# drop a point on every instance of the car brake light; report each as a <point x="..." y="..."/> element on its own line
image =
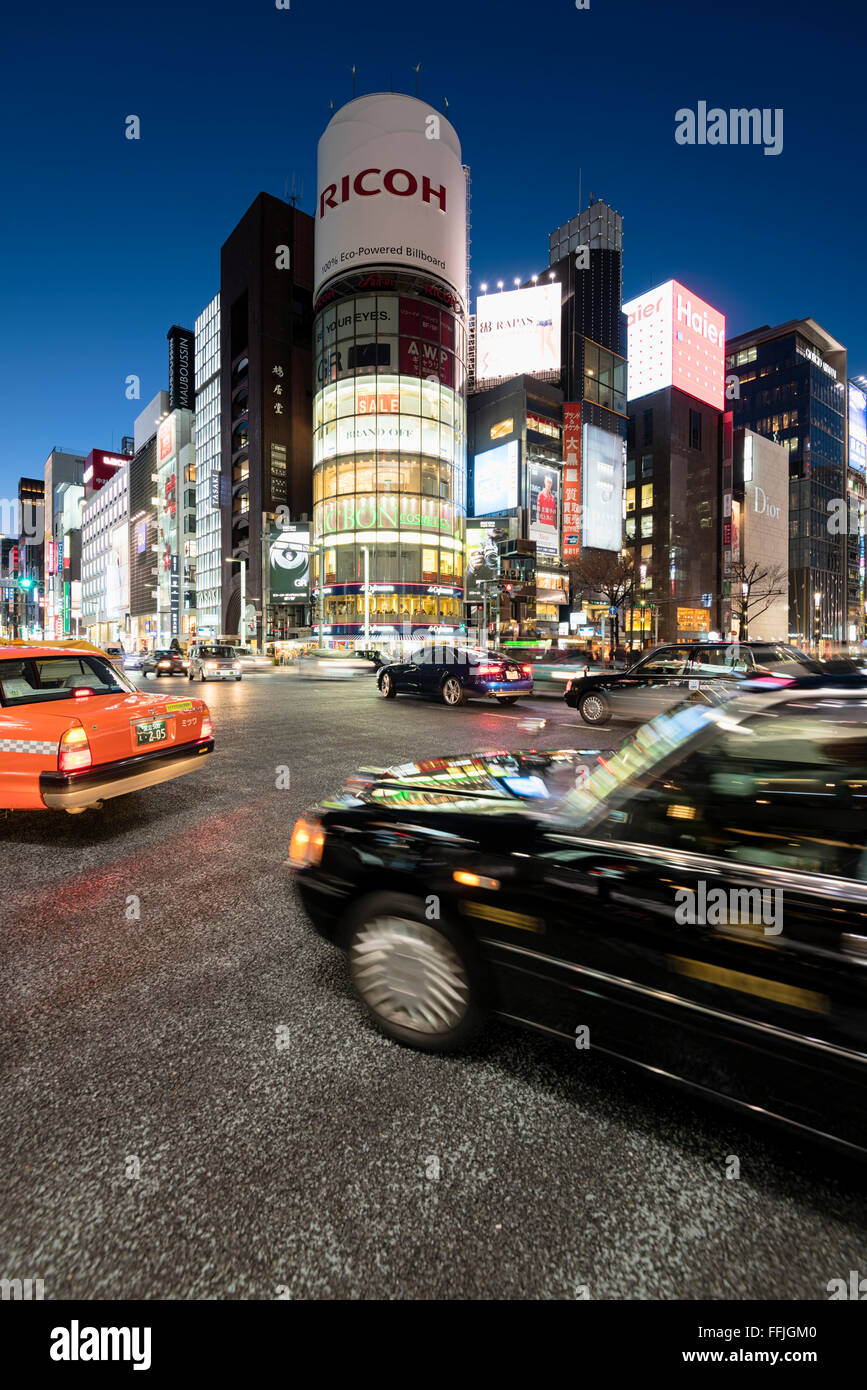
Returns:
<point x="207" y="729"/>
<point x="489" y="670"/>
<point x="306" y="845"/>
<point x="74" y="754"/>
<point x="528" y="670"/>
<point x="81" y="691"/>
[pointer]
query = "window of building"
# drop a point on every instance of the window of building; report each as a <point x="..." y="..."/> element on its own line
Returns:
<point x="647" y="524"/>
<point x="647" y="465"/>
<point x="695" y="429"/>
<point x="630" y="470"/>
<point x="502" y="428"/>
<point x="630" y="499"/>
<point x="647" y="419"/>
<point x="647" y="495"/>
<point x="630" y="528"/>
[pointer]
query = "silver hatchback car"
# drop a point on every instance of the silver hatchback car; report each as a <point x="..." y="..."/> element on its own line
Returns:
<point x="213" y="662"/>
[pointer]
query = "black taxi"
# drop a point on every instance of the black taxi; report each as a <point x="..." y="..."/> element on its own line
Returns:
<point x="695" y="904"/>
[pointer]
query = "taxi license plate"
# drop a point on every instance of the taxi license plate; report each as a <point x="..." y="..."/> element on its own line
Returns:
<point x="151" y="731"/>
<point x="512" y="676"/>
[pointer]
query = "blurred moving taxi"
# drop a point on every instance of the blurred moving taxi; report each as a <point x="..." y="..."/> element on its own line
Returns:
<point x="74" y="731"/>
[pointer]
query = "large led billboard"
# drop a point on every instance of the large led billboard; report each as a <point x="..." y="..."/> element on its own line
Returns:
<point x="518" y="332"/>
<point x="543" y="488"/>
<point x="602" y="489"/>
<point x="676" y="339"/>
<point x="857" y="429"/>
<point x="495" y="479"/>
<point x="289" y="564"/>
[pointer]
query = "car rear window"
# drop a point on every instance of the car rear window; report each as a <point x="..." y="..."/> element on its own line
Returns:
<point x="34" y="680"/>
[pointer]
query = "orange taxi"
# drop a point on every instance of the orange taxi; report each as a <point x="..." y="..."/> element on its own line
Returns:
<point x="74" y="731"/>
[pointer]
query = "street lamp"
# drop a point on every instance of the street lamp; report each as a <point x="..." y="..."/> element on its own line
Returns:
<point x="817" y="621"/>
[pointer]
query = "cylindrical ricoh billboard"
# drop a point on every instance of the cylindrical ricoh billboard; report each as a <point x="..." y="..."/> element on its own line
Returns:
<point x="390" y="374"/>
<point x="391" y="191"/>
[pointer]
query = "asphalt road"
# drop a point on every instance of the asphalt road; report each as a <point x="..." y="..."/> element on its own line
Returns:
<point x="194" y="1106"/>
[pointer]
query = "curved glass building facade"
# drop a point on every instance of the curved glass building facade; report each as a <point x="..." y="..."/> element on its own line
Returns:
<point x="389" y="453"/>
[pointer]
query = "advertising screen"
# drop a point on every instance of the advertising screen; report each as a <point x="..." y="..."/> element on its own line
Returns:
<point x="857" y="429"/>
<point x="289" y="563"/>
<point x="389" y="192"/>
<point x="543" y="483"/>
<point x="495" y="479"/>
<point x="602" y="485"/>
<point x="518" y="332"/>
<point x="483" y="560"/>
<point x="676" y="339"/>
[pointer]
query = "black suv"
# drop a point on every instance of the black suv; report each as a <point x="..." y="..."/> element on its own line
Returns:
<point x="653" y="683"/>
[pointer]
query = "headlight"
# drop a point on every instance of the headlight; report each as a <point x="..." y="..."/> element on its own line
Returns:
<point x="237" y="665"/>
<point x="210" y="665"/>
<point x="306" y="845"/>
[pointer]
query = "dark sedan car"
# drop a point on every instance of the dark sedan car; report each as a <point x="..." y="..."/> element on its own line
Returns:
<point x="453" y="673"/>
<point x="696" y="907"/>
<point x="669" y="674"/>
<point x="164" y="663"/>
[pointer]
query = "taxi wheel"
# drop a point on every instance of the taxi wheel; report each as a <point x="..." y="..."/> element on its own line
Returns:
<point x="189" y="675"/>
<point x="237" y="678"/>
<point x="452" y="692"/>
<point x="202" y="677"/>
<point x="387" y="687"/>
<point x="417" y="979"/>
<point x="593" y="708"/>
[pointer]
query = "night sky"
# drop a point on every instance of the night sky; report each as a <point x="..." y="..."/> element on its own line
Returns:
<point x="106" y="242"/>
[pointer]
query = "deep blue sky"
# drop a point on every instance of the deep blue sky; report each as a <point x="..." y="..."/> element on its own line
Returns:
<point x="105" y="242"/>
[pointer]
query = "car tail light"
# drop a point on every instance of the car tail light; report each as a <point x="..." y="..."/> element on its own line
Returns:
<point x="207" y="729"/>
<point x="306" y="845"/>
<point x="528" y="670"/>
<point x="489" y="670"/>
<point x="74" y="754"/>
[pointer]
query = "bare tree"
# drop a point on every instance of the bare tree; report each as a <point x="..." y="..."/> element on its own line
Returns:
<point x="754" y="588"/>
<point x="608" y="575"/>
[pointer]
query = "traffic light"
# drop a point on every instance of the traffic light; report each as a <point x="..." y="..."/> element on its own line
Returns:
<point x="507" y="588"/>
<point x="25" y="583"/>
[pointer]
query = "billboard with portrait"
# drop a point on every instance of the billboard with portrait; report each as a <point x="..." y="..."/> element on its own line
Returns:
<point x="518" y="331"/>
<point x="543" y="494"/>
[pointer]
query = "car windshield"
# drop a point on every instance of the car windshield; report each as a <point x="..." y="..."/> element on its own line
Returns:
<point x="216" y="651"/>
<point x="666" y="734"/>
<point x="781" y="656"/>
<point x="37" y="679"/>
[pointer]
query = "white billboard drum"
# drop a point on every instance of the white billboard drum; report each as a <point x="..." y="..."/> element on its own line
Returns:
<point x="391" y="191"/>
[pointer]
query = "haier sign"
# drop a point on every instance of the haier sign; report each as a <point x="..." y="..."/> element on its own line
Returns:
<point x="676" y="339"/>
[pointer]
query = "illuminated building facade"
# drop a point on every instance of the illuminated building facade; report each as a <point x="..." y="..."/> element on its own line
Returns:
<point x="390" y="353"/>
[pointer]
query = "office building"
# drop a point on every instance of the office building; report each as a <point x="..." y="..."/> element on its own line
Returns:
<point x="266" y="295"/>
<point x="791" y="387"/>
